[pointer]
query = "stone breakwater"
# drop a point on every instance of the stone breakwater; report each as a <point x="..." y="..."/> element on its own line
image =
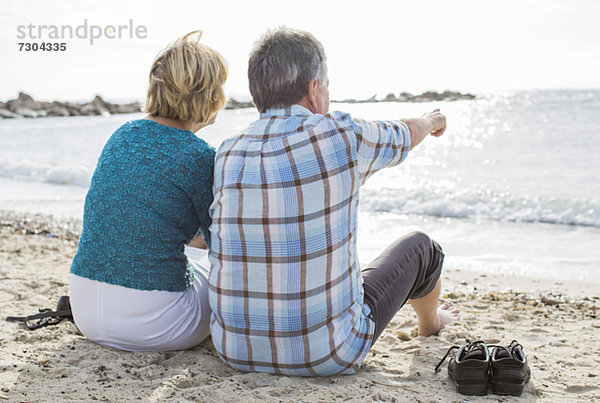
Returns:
<point x="428" y="96"/>
<point x="24" y="106"/>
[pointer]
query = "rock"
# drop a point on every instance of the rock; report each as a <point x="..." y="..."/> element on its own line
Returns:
<point x="429" y="96"/>
<point x="24" y="101"/>
<point x="405" y="97"/>
<point x="347" y="101"/>
<point x="23" y="97"/>
<point x="390" y="98"/>
<point x="128" y="108"/>
<point x="58" y="109"/>
<point x="89" y="109"/>
<point x="234" y="104"/>
<point x="450" y="95"/>
<point x="26" y="112"/>
<point x="358" y="101"/>
<point x="455" y="96"/>
<point x="102" y="107"/>
<point x="74" y="109"/>
<point x="6" y="114"/>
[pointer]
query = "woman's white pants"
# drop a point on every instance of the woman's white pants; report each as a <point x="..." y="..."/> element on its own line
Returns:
<point x="139" y="320"/>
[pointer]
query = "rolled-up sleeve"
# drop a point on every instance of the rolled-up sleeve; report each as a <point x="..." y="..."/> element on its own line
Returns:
<point x="380" y="144"/>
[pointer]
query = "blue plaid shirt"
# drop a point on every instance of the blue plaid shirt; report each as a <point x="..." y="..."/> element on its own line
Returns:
<point x="285" y="286"/>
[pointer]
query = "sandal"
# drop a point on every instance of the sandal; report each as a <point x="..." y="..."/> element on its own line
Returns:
<point x="46" y="317"/>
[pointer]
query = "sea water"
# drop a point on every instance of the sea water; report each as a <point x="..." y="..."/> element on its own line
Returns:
<point x="513" y="186"/>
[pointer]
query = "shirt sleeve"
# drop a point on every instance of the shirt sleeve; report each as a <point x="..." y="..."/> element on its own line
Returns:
<point x="380" y="144"/>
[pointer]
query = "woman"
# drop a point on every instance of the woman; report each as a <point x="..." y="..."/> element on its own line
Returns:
<point x="135" y="283"/>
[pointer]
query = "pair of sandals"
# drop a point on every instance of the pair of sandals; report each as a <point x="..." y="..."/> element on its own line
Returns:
<point x="46" y="317"/>
<point x="474" y="369"/>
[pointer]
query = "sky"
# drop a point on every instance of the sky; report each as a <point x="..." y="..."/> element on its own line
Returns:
<point x="373" y="47"/>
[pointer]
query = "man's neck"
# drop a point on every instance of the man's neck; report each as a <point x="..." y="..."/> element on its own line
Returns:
<point x="307" y="104"/>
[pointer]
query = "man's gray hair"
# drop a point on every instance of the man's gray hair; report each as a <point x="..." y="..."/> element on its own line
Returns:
<point x="282" y="63"/>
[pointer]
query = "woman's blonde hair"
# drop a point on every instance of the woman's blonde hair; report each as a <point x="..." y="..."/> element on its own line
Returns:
<point x="186" y="81"/>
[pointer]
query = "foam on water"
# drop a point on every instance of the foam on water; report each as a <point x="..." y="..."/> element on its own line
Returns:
<point x="494" y="247"/>
<point x="55" y="173"/>
<point x="419" y="197"/>
<point x="483" y="205"/>
<point x="511" y="187"/>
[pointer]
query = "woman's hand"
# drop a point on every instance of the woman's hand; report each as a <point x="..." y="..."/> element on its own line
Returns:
<point x="198" y="242"/>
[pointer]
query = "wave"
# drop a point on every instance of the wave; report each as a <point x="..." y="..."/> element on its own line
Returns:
<point x="464" y="204"/>
<point x="58" y="174"/>
<point x="484" y="205"/>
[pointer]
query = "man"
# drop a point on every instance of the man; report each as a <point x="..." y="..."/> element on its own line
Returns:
<point x="286" y="288"/>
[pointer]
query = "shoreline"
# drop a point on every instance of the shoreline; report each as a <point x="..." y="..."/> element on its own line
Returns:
<point x="556" y="324"/>
<point x="24" y="106"/>
<point x="456" y="280"/>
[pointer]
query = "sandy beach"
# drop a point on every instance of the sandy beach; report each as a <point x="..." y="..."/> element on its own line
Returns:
<point x="556" y="322"/>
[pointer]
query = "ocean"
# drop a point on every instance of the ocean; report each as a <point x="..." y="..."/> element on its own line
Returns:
<point x="513" y="186"/>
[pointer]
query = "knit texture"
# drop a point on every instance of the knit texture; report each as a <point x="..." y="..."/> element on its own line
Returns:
<point x="149" y="196"/>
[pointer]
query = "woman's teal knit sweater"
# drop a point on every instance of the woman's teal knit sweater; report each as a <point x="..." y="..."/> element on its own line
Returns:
<point x="149" y="196"/>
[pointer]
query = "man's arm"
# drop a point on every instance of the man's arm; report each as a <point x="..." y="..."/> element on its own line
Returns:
<point x="382" y="144"/>
<point x="433" y="123"/>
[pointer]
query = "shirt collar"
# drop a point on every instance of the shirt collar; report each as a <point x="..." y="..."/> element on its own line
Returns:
<point x="292" y="110"/>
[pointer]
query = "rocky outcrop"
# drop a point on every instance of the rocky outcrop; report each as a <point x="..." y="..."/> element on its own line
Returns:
<point x="428" y="96"/>
<point x="6" y="114"/>
<point x="234" y="104"/>
<point x="24" y="106"/>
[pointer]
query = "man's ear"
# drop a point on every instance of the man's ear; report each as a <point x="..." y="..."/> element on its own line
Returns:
<point x="311" y="97"/>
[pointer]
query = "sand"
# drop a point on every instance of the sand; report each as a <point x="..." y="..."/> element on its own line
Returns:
<point x="556" y="322"/>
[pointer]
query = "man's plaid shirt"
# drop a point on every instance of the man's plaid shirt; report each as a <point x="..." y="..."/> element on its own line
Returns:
<point x="285" y="285"/>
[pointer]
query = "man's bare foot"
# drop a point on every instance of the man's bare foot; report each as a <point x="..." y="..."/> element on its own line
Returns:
<point x="445" y="314"/>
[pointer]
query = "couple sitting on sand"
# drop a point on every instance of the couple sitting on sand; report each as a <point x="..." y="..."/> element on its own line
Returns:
<point x="256" y="243"/>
